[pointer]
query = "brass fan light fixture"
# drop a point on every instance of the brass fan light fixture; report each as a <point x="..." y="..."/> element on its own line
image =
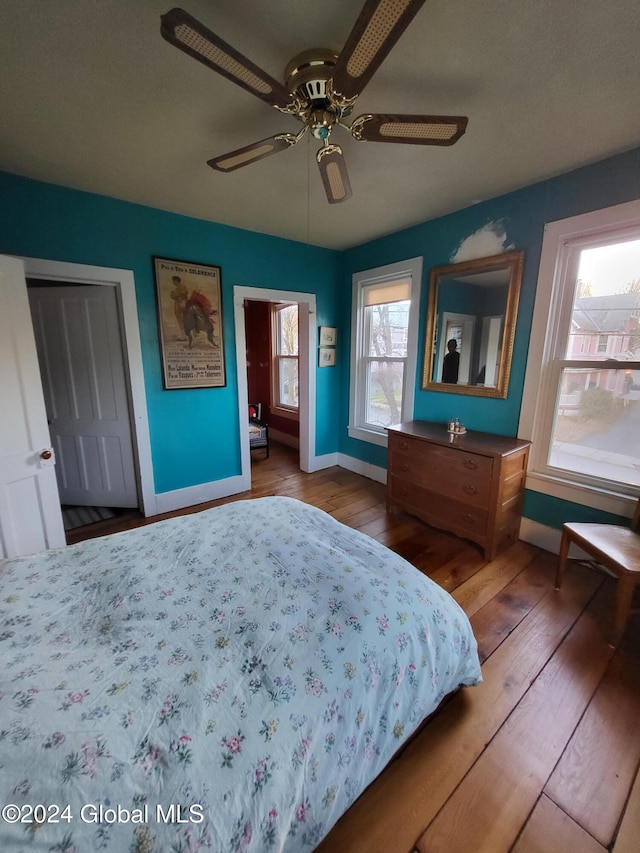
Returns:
<point x="321" y="88"/>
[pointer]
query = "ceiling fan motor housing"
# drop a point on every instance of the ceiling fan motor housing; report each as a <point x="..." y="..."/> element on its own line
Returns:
<point x="308" y="77"/>
<point x="308" y="72"/>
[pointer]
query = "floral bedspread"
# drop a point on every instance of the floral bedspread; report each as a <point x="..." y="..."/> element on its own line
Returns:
<point x="230" y="680"/>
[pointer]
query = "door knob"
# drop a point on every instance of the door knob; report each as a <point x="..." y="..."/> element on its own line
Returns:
<point x="46" y="454"/>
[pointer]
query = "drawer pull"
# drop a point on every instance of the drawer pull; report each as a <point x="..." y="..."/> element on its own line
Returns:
<point x="404" y="445"/>
<point x="404" y="466"/>
<point x="404" y="491"/>
<point x="471" y="464"/>
<point x="467" y="517"/>
<point x="468" y="489"/>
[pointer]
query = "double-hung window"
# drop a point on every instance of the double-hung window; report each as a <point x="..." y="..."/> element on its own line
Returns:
<point x="581" y="404"/>
<point x="285" y="358"/>
<point x="383" y="348"/>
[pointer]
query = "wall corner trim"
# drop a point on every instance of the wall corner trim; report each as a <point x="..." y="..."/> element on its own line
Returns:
<point x="319" y="463"/>
<point x="342" y="460"/>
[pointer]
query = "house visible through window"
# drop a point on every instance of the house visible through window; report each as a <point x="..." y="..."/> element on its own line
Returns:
<point x="385" y="304"/>
<point x="285" y="357"/>
<point x="596" y="430"/>
<point x="586" y="428"/>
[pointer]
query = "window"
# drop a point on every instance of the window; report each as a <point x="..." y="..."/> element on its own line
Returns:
<point x="581" y="403"/>
<point x="285" y="357"/>
<point x="383" y="348"/>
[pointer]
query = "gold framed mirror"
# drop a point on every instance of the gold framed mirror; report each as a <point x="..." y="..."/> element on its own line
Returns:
<point x="471" y="323"/>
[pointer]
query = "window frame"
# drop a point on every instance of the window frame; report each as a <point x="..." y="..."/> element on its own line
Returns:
<point x="277" y="405"/>
<point x="562" y="243"/>
<point x="361" y="281"/>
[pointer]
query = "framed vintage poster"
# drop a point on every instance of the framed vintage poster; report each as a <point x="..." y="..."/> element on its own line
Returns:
<point x="190" y="322"/>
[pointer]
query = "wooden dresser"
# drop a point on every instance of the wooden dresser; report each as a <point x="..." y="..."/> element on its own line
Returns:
<point x="472" y="486"/>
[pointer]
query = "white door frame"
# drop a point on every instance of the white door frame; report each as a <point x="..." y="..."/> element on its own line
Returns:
<point x="306" y="303"/>
<point x="467" y="321"/>
<point x="124" y="283"/>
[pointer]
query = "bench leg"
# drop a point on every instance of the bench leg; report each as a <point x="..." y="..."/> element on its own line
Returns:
<point x="562" y="557"/>
<point x="624" y="596"/>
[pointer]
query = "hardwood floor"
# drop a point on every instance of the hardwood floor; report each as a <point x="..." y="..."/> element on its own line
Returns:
<point x="543" y="756"/>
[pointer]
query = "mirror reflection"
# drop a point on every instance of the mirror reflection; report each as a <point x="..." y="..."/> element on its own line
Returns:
<point x="471" y="324"/>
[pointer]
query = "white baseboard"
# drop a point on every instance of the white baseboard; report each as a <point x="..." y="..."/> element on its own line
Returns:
<point x="538" y="534"/>
<point x="178" y="499"/>
<point x="328" y="460"/>
<point x="547" y="538"/>
<point x="372" y="472"/>
<point x="284" y="438"/>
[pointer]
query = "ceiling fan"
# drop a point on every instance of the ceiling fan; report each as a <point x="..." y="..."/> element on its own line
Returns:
<point x="320" y="90"/>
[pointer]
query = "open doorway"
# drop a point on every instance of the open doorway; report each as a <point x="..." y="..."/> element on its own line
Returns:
<point x="244" y="305"/>
<point x="273" y="375"/>
<point x="461" y="329"/>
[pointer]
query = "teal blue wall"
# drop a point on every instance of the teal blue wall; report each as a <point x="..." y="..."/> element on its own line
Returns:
<point x="552" y="512"/>
<point x="194" y="433"/>
<point x="522" y="215"/>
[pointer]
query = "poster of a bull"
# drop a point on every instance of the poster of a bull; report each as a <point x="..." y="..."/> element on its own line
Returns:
<point x="190" y="323"/>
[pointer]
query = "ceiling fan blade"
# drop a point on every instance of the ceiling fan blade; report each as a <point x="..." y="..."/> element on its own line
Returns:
<point x="183" y="31"/>
<point x="379" y="26"/>
<point x="251" y="153"/>
<point x="333" y="171"/>
<point x="415" y="130"/>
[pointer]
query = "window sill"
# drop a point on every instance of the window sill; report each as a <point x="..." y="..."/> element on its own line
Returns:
<point x="370" y="435"/>
<point x="607" y="501"/>
<point x="281" y="412"/>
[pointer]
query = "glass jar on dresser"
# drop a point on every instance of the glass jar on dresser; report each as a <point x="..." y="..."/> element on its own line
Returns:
<point x="471" y="485"/>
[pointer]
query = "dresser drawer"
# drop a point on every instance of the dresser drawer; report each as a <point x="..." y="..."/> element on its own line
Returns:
<point x="468" y="486"/>
<point x="442" y="462"/>
<point x="438" y="510"/>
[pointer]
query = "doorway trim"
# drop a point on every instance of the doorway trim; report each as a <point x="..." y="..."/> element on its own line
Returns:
<point x="123" y="281"/>
<point x="306" y="303"/>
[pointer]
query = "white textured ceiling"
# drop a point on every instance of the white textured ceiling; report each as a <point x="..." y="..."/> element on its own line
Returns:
<point x="92" y="97"/>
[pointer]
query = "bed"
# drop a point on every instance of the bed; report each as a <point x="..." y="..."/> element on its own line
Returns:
<point x="229" y="680"/>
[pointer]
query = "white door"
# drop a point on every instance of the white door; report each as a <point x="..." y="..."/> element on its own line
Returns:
<point x="83" y="375"/>
<point x="30" y="514"/>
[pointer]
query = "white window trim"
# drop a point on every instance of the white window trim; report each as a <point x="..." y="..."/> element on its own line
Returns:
<point x="413" y="268"/>
<point x="538" y="399"/>
<point x="291" y="412"/>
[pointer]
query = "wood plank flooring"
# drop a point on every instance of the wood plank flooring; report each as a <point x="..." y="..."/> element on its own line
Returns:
<point x="544" y="755"/>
